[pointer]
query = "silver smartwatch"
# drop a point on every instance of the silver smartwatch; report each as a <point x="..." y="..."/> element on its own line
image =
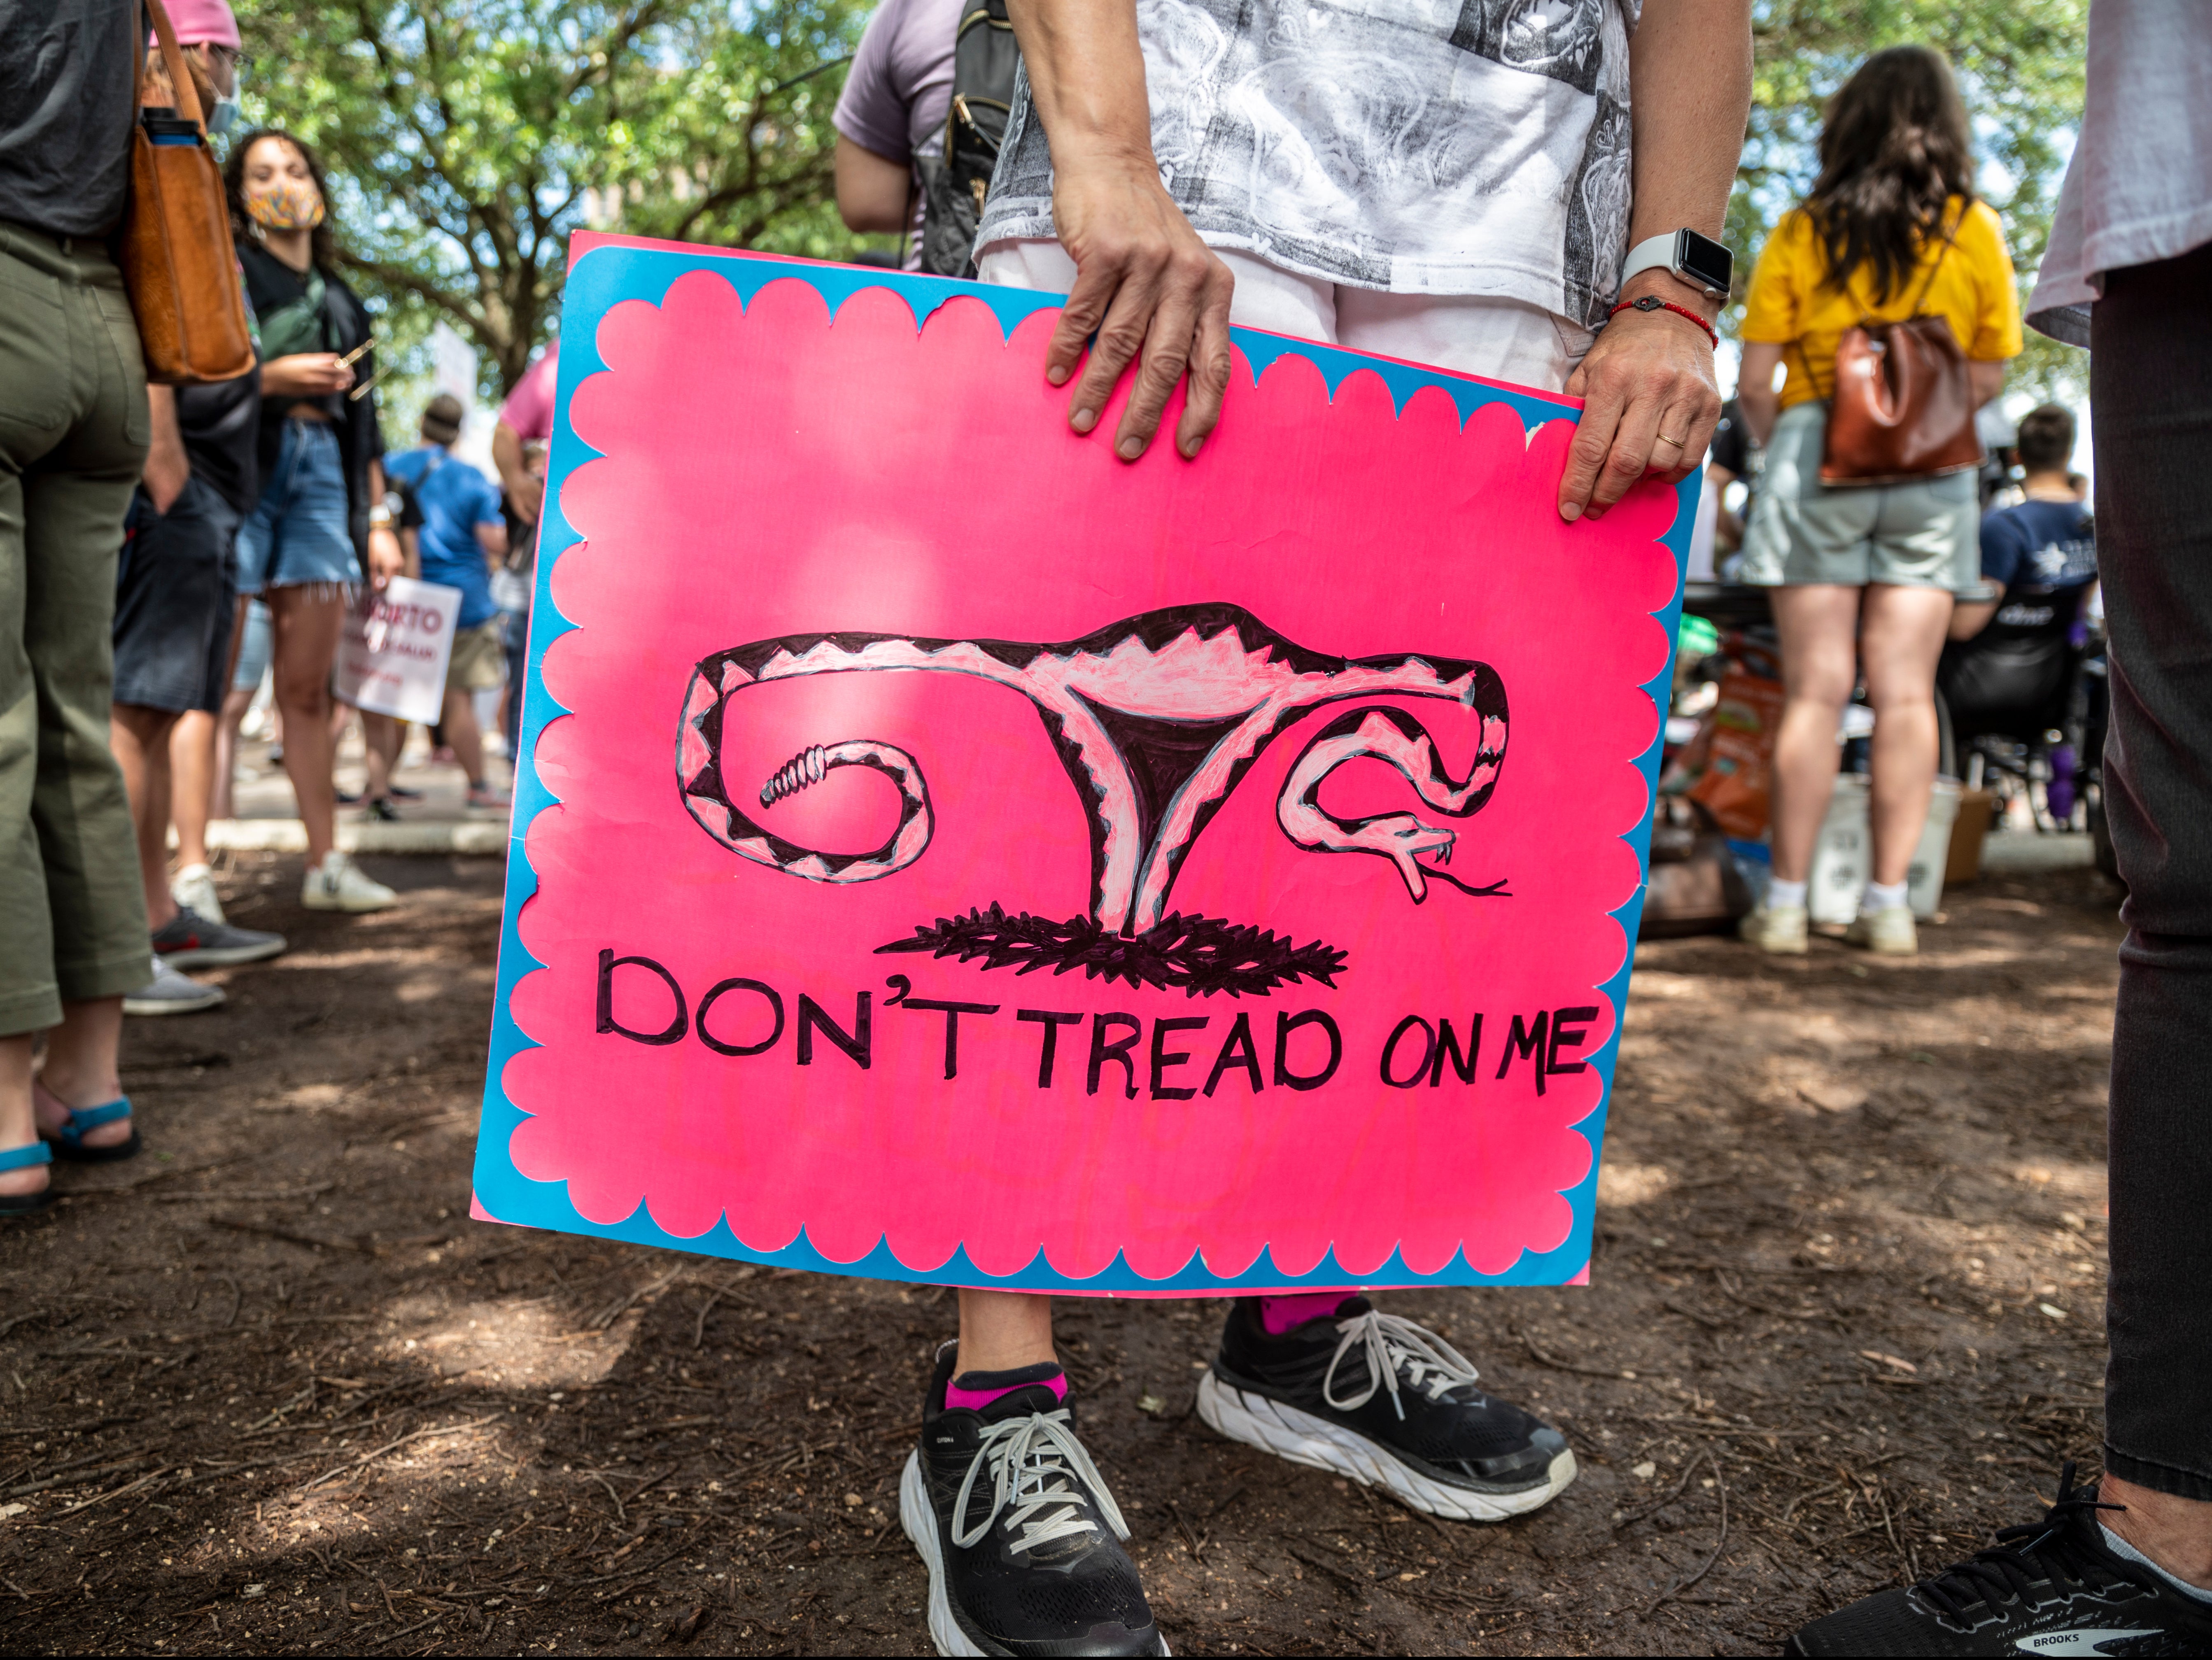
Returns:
<point x="1703" y="264"/>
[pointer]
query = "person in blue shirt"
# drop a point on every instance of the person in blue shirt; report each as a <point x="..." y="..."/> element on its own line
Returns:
<point x="461" y="528"/>
<point x="2007" y="669"/>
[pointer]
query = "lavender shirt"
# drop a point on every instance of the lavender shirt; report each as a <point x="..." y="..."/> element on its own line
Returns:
<point x="900" y="88"/>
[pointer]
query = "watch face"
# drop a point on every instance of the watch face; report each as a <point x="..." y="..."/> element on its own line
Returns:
<point x="1705" y="261"/>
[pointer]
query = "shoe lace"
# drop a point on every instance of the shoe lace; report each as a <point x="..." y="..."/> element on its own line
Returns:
<point x="1392" y="1346"/>
<point x="2023" y="1556"/>
<point x="1032" y="1460"/>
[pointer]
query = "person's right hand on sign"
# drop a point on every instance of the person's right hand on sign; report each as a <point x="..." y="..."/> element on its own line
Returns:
<point x="1152" y="293"/>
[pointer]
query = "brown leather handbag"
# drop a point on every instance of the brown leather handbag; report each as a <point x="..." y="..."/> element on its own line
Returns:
<point x="178" y="261"/>
<point x="1903" y="406"/>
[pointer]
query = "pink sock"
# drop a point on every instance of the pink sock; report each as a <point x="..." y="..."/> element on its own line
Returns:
<point x="974" y="1390"/>
<point x="1279" y="1313"/>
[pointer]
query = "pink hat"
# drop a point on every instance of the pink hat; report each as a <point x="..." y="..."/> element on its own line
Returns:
<point x="201" y="21"/>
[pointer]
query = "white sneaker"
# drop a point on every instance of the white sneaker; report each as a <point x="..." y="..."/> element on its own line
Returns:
<point x="1781" y="929"/>
<point x="337" y="884"/>
<point x="1889" y="932"/>
<point x="193" y="889"/>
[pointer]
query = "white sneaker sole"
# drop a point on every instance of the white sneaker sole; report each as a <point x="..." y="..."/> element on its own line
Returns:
<point x="918" y="1520"/>
<point x="225" y="957"/>
<point x="1302" y="1438"/>
<point x="312" y="900"/>
<point x="216" y="998"/>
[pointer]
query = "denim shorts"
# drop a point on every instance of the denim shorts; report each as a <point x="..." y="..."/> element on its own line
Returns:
<point x="1925" y="533"/>
<point x="175" y="594"/>
<point x="300" y="534"/>
<point x="255" y="648"/>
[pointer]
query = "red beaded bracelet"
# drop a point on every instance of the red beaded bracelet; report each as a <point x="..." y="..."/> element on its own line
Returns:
<point x="1653" y="302"/>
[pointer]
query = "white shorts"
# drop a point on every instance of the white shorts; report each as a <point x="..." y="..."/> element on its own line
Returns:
<point x="1469" y="334"/>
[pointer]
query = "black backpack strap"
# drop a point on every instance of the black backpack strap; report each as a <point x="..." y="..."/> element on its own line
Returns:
<point x="986" y="62"/>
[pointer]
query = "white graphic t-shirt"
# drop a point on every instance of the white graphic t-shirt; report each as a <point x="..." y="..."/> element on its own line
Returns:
<point x="1462" y="147"/>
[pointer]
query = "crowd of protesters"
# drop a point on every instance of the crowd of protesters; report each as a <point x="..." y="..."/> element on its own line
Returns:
<point x="263" y="509"/>
<point x="136" y="525"/>
<point x="259" y="509"/>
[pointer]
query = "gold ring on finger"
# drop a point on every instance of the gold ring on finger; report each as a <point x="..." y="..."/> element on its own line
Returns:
<point x="1664" y="438"/>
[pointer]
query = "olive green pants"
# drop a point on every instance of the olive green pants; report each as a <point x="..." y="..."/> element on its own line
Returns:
<point x="73" y="435"/>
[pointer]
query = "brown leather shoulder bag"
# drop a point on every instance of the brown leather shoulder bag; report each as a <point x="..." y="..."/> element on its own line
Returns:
<point x="178" y="261"/>
<point x="1903" y="406"/>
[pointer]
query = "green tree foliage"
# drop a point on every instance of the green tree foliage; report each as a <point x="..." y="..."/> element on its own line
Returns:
<point x="2020" y="67"/>
<point x="467" y="138"/>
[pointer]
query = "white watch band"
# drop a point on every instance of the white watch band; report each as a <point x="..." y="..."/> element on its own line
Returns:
<point x="1670" y="251"/>
<point x="1652" y="253"/>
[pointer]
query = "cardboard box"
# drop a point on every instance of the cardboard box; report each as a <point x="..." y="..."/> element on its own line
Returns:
<point x="1968" y="831"/>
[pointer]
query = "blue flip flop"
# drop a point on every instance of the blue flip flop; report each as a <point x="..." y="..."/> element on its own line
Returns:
<point x="25" y="1204"/>
<point x="69" y="1142"/>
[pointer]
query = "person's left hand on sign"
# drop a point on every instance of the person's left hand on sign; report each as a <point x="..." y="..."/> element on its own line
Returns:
<point x="1651" y="401"/>
<point x="385" y="558"/>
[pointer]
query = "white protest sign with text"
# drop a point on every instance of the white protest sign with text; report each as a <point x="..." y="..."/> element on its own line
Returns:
<point x="391" y="658"/>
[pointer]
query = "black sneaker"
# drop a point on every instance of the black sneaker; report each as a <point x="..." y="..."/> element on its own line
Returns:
<point x="1022" y="1538"/>
<point x="1378" y="1398"/>
<point x="2053" y="1588"/>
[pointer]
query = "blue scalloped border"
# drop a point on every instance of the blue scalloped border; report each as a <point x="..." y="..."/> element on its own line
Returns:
<point x="608" y="272"/>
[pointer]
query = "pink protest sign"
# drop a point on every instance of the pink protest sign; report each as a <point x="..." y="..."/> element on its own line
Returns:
<point x="946" y="851"/>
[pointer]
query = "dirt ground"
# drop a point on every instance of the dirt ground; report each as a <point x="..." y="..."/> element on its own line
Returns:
<point x="268" y="1388"/>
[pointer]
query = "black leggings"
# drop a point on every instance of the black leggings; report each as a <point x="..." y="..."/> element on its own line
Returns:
<point x="2151" y="386"/>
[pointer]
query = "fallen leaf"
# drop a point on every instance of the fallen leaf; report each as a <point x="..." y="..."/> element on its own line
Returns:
<point x="684" y="1629"/>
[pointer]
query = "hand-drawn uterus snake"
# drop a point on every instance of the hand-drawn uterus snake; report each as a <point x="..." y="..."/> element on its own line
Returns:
<point x="1156" y="717"/>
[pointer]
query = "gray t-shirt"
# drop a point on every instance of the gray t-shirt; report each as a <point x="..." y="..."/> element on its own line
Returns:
<point x="1462" y="147"/>
<point x="68" y="74"/>
<point x="899" y="89"/>
<point x="2139" y="188"/>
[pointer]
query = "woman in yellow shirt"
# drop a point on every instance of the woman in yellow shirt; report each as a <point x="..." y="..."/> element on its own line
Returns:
<point x="1864" y="576"/>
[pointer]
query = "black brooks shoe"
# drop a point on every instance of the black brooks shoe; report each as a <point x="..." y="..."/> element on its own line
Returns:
<point x="2053" y="1588"/>
<point x="1386" y="1402"/>
<point x="1022" y="1540"/>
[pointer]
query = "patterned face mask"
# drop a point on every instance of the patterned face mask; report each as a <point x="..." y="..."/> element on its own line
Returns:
<point x="286" y="203"/>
